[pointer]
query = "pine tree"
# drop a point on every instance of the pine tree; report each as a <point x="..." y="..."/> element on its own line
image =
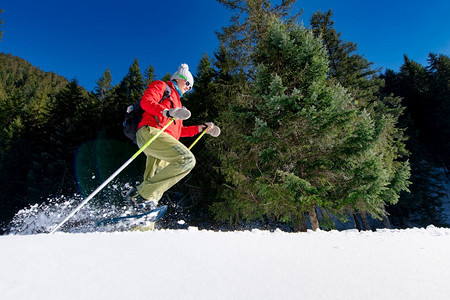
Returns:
<point x="350" y="69"/>
<point x="303" y="142"/>
<point x="133" y="84"/>
<point x="11" y="117"/>
<point x="354" y="72"/>
<point x="128" y="91"/>
<point x="74" y="118"/>
<point x="199" y="100"/>
<point x="149" y="75"/>
<point x="166" y="77"/>
<point x="249" y="25"/>
<point x="104" y="86"/>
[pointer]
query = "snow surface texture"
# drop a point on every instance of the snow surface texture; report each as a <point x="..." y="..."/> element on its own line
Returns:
<point x="91" y="262"/>
<point x="193" y="264"/>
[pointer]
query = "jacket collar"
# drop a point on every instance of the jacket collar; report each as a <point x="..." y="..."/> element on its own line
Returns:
<point x="176" y="88"/>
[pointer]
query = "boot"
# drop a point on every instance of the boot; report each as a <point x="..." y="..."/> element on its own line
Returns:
<point x="139" y="203"/>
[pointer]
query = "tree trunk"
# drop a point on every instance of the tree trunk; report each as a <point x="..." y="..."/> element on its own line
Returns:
<point x="403" y="218"/>
<point x="300" y="224"/>
<point x="313" y="218"/>
<point x="356" y="221"/>
<point x="365" y="221"/>
<point x="386" y="221"/>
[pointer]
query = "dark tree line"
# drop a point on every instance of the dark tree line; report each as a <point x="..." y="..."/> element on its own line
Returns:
<point x="48" y="123"/>
<point x="425" y="93"/>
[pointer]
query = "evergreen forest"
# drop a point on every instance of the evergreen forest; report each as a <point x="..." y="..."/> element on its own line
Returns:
<point x="312" y="134"/>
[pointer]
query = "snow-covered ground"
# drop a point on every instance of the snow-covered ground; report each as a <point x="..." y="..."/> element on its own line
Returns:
<point x="91" y="262"/>
<point x="195" y="264"/>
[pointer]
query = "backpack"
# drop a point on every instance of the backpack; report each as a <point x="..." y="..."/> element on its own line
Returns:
<point x="133" y="116"/>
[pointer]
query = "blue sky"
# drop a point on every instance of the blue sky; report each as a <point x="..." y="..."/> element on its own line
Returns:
<point x="81" y="39"/>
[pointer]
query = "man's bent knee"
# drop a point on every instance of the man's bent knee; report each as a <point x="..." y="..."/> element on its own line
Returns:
<point x="187" y="158"/>
<point x="189" y="161"/>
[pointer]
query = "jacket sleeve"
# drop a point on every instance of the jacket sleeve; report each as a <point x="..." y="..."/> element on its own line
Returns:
<point x="188" y="131"/>
<point x="152" y="96"/>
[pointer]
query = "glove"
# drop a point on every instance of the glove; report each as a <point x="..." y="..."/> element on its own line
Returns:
<point x="211" y="129"/>
<point x="181" y="113"/>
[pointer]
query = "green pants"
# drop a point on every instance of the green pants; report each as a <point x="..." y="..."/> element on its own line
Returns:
<point x="168" y="161"/>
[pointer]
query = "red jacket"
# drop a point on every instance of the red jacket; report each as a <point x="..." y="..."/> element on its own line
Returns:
<point x="152" y="108"/>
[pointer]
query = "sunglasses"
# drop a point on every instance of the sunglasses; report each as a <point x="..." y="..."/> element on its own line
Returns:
<point x="188" y="84"/>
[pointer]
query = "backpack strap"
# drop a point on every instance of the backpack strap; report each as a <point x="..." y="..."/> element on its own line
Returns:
<point x="166" y="95"/>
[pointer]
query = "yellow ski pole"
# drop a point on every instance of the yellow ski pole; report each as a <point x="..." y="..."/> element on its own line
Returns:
<point x="197" y="139"/>
<point x="212" y="129"/>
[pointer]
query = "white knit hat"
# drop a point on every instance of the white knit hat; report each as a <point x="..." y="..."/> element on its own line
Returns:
<point x="183" y="73"/>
